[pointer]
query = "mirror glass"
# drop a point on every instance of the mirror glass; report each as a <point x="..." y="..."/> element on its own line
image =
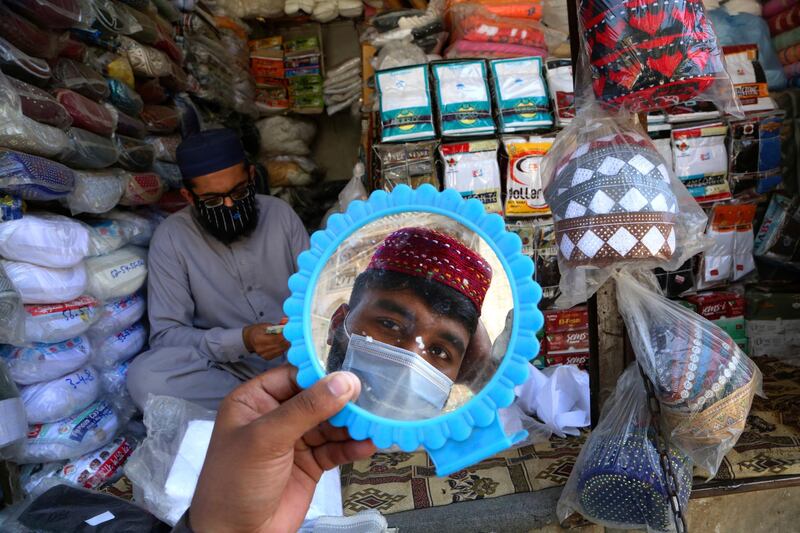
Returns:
<point x="418" y="306"/>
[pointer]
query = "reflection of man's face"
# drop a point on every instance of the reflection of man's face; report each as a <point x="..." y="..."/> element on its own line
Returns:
<point x="403" y="319"/>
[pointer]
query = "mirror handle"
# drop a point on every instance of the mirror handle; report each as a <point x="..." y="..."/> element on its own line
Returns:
<point x="483" y="442"/>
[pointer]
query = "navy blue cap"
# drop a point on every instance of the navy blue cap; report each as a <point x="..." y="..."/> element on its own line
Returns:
<point x="209" y="151"/>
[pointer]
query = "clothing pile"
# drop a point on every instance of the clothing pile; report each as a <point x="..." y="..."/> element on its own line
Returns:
<point x="285" y="150"/>
<point x="342" y="86"/>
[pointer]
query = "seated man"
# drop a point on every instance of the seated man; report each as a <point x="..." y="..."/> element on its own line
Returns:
<point x="411" y="329"/>
<point x="218" y="277"/>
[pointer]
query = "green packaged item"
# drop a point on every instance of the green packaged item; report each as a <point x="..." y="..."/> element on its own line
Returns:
<point x="301" y="44"/>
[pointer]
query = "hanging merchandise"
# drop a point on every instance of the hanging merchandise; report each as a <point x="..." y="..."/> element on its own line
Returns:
<point x="524" y="196"/>
<point x="676" y="283"/>
<point x="411" y="164"/>
<point x="54" y="323"/>
<point x="618" y="479"/>
<point x="143" y="188"/>
<point x="521" y="94"/>
<point x="87" y="150"/>
<point x="96" y="191"/>
<point x="405" y="104"/>
<point x="704" y="382"/>
<point x="754" y="145"/>
<point x="654" y="57"/>
<point x="42" y="285"/>
<point x="116" y="274"/>
<point x="34" y="178"/>
<point x="40" y="105"/>
<point x="778" y="238"/>
<point x="71" y="437"/>
<point x="45" y="362"/>
<point x="124" y="98"/>
<point x="471" y="168"/>
<point x="51" y="401"/>
<point x="662" y="140"/>
<point x="134" y="154"/>
<point x="562" y="93"/>
<point x="748" y="77"/>
<point x="17" y="63"/>
<point x="120" y="313"/>
<point x="12" y="412"/>
<point x="701" y="161"/>
<point x="615" y="202"/>
<point x="27" y="36"/>
<point x="730" y="256"/>
<point x="44" y="239"/>
<point x="464" y="107"/>
<point x="110" y="351"/>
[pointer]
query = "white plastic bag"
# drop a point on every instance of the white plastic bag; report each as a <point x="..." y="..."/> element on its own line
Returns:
<point x="41" y="285"/>
<point x="119" y="347"/>
<point x="119" y="273"/>
<point x="108" y="235"/>
<point x="120" y="313"/>
<point x="44" y="239"/>
<point x="50" y="401"/>
<point x="559" y="397"/>
<point x="285" y="136"/>
<point x="96" y="191"/>
<point x="45" y="362"/>
<point x="12" y="314"/>
<point x="51" y="323"/>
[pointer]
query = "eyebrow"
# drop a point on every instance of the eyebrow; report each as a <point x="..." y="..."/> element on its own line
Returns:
<point x="394" y="307"/>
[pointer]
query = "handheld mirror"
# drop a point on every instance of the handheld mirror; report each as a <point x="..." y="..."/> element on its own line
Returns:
<point x="413" y="291"/>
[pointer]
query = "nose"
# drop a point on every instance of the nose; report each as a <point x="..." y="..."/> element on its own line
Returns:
<point x="228" y="202"/>
<point x="416" y="345"/>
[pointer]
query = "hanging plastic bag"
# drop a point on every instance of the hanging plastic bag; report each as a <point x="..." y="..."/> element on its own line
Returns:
<point x="617" y="480"/>
<point x="26" y="35"/>
<point x="651" y="57"/>
<point x="20" y="65"/>
<point x="143" y="188"/>
<point x="124" y="98"/>
<point x="110" y="351"/>
<point x="80" y="78"/>
<point x="44" y="239"/>
<point x="704" y="382"/>
<point x="96" y="192"/>
<point x="71" y="437"/>
<point x="12" y="318"/>
<point x="88" y="150"/>
<point x="42" y="285"/>
<point x="54" y="323"/>
<point x="615" y="202"/>
<point x="134" y="154"/>
<point x="39" y="105"/>
<point x="117" y="274"/>
<point x="120" y="313"/>
<point x="45" y="362"/>
<point x="34" y="178"/>
<point x="51" y="401"/>
<point x="85" y="113"/>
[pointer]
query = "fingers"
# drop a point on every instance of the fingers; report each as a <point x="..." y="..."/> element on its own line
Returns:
<point x="341" y="453"/>
<point x="303" y="412"/>
<point x="325" y="433"/>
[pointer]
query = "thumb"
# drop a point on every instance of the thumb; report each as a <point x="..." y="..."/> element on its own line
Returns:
<point x="311" y="407"/>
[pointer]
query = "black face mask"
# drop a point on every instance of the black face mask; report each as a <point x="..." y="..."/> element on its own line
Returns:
<point x="227" y="224"/>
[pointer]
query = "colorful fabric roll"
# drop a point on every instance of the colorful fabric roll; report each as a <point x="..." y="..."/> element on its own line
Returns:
<point x="784" y="21"/>
<point x="790" y="55"/>
<point x="786" y="39"/>
<point x="34" y="178"/>
<point x="776" y="7"/>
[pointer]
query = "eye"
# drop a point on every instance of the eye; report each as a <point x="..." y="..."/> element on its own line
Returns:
<point x="390" y="325"/>
<point x="439" y="353"/>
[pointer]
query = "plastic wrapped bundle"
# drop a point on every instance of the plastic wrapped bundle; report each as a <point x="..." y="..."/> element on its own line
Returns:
<point x="71" y="437"/>
<point x="39" y="105"/>
<point x="170" y="174"/>
<point x="165" y="147"/>
<point x="80" y="78"/>
<point x="54" y="14"/>
<point x="129" y="126"/>
<point x="615" y="202"/>
<point x="89" y="151"/>
<point x="45" y="362"/>
<point x="22" y="133"/>
<point x="34" y="178"/>
<point x="12" y="318"/>
<point x="119" y="273"/>
<point x="20" y="65"/>
<point x="50" y="401"/>
<point x="52" y="323"/>
<point x="160" y="119"/>
<point x="145" y="60"/>
<point x="473" y="22"/>
<point x="106" y="235"/>
<point x="44" y="239"/>
<point x="42" y="285"/>
<point x="405" y="104"/>
<point x="151" y="91"/>
<point x="463" y="97"/>
<point x="139" y="228"/>
<point x="111" y="65"/>
<point x="120" y="313"/>
<point x="96" y="191"/>
<point x="704" y="382"/>
<point x="119" y="347"/>
<point x="617" y="480"/>
<point x="124" y="98"/>
<point x="26" y="35"/>
<point x="143" y="188"/>
<point x="134" y="154"/>
<point x="520" y="94"/>
<point x="654" y="57"/>
<point x="85" y="113"/>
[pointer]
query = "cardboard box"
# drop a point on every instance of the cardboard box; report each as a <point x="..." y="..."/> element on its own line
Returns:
<point x="581" y="359"/>
<point x="560" y="321"/>
<point x="716" y="305"/>
<point x="575" y="341"/>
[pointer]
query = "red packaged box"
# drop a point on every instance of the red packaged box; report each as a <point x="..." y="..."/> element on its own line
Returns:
<point x="574" y="341"/>
<point x="563" y="320"/>
<point x="716" y="305"/>
<point x="580" y="359"/>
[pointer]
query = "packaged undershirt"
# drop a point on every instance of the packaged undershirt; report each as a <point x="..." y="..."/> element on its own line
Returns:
<point x="59" y="322"/>
<point x="111" y="350"/>
<point x="561" y="88"/>
<point x="521" y="94"/>
<point x="471" y="168"/>
<point x="45" y="362"/>
<point x="754" y="146"/>
<point x="405" y="104"/>
<point x="120" y="313"/>
<point x="54" y="400"/>
<point x="463" y="98"/>
<point x="411" y="164"/>
<point x="679" y="282"/>
<point x="700" y="161"/>
<point x="730" y="256"/>
<point x="119" y="273"/>
<point x="524" y="195"/>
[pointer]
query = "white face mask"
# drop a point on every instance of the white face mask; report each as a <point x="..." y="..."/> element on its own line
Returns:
<point x="395" y="383"/>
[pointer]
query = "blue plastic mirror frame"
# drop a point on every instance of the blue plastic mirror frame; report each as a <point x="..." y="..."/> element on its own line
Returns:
<point x="472" y="432"/>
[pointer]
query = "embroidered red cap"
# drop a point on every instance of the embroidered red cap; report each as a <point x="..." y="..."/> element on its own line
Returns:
<point x="428" y="254"/>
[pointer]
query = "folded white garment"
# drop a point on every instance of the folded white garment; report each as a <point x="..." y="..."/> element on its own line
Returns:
<point x="325" y="10"/>
<point x="44" y="239"/>
<point x="120" y="313"/>
<point x="117" y="274"/>
<point x="54" y="400"/>
<point x="42" y="285"/>
<point x="60" y="321"/>
<point x="45" y="362"/>
<point x="108" y="352"/>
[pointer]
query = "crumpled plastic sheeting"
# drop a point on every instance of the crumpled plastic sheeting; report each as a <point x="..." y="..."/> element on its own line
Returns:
<point x="285" y="136"/>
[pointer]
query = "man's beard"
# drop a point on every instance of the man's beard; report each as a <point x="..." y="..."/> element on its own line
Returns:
<point x="228" y="224"/>
<point x="338" y="351"/>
